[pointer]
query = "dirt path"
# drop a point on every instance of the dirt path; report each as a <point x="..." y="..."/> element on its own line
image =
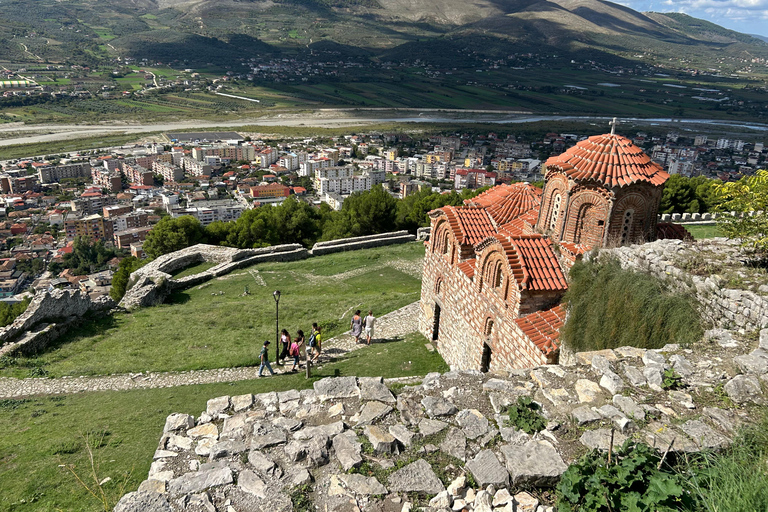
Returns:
<point x="394" y="325"/>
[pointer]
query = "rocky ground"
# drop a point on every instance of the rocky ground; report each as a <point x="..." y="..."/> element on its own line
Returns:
<point x="352" y="444"/>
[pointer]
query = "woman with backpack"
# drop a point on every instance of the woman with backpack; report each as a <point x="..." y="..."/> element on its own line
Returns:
<point x="315" y="342"/>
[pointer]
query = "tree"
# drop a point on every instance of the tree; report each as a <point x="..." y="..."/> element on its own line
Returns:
<point x="122" y="275"/>
<point x="363" y="213"/>
<point x="87" y="256"/>
<point x="172" y="234"/>
<point x="748" y="200"/>
<point x="677" y="196"/>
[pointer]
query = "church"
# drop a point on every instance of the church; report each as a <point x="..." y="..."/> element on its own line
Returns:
<point x="496" y="268"/>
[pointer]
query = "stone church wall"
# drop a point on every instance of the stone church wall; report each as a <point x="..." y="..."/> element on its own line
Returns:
<point x="464" y="319"/>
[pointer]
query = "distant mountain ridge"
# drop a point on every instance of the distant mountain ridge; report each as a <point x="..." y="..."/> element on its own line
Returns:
<point x="205" y="30"/>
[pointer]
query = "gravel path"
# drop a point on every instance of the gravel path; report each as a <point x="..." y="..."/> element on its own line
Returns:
<point x="394" y="325"/>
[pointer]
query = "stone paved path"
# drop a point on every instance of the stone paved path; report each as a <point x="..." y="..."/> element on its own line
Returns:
<point x="394" y="325"/>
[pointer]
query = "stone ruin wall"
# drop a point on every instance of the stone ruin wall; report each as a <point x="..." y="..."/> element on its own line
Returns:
<point x="48" y="315"/>
<point x="51" y="314"/>
<point x="723" y="307"/>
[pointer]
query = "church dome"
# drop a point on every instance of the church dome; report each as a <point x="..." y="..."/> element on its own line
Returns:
<point x="610" y="160"/>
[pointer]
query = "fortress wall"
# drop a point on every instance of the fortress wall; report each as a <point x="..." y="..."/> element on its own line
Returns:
<point x="363" y="242"/>
<point x="723" y="307"/>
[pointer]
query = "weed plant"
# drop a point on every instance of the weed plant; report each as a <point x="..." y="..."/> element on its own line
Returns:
<point x="524" y="416"/>
<point x="610" y="307"/>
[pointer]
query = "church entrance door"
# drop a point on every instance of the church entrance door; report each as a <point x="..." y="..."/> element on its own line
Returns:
<point x="436" y="325"/>
<point x="485" y="361"/>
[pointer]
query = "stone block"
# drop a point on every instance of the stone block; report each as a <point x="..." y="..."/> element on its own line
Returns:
<point x="437" y="406"/>
<point x="611" y="383"/>
<point x="355" y="484"/>
<point x="372" y="411"/>
<point x="585" y="416"/>
<point x="241" y="402"/>
<point x="331" y="388"/>
<point x="486" y="469"/>
<point x="535" y="463"/>
<point x="190" y="483"/>
<point x="415" y="477"/>
<point x="601" y="439"/>
<point x="373" y="388"/>
<point x="249" y="482"/>
<point x="704" y="436"/>
<point x="402" y="434"/>
<point x="348" y="451"/>
<point x="428" y="427"/>
<point x="473" y="423"/>
<point x="178" y="422"/>
<point x="744" y="389"/>
<point x="217" y="405"/>
<point x="142" y="501"/>
<point x="455" y="444"/>
<point x="383" y="442"/>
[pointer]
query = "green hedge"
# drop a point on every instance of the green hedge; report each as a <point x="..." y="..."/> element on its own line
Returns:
<point x="611" y="307"/>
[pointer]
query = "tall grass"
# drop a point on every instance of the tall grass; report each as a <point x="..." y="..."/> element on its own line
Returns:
<point x="611" y="307"/>
<point x="737" y="479"/>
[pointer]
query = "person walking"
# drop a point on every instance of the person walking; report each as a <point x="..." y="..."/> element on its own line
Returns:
<point x="370" y="320"/>
<point x="285" y="341"/>
<point x="315" y="342"/>
<point x="264" y="358"/>
<point x="295" y="350"/>
<point x="356" y="325"/>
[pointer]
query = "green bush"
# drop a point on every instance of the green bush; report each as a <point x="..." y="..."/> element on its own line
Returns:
<point x="631" y="481"/>
<point x="610" y="307"/>
<point x="524" y="416"/>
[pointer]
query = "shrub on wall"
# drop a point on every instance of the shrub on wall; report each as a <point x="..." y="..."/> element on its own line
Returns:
<point x="611" y="307"/>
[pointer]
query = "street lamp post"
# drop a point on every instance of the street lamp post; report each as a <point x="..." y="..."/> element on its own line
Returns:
<point x="276" y="295"/>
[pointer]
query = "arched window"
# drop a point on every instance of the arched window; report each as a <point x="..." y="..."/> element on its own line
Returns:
<point x="555" y="212"/>
<point x="626" y="226"/>
<point x="445" y="242"/>
<point x="497" y="276"/>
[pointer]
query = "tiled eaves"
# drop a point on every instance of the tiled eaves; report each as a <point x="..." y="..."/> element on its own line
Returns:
<point x="543" y="327"/>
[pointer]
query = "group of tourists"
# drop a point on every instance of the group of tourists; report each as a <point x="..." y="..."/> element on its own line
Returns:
<point x="360" y="326"/>
<point x="291" y="348"/>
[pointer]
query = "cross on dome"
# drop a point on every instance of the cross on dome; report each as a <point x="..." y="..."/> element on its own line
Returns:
<point x="613" y="125"/>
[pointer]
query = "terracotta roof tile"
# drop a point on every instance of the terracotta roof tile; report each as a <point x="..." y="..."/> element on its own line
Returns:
<point x="611" y="160"/>
<point x="540" y="262"/>
<point x="523" y="225"/>
<point x="468" y="267"/>
<point x="469" y="224"/>
<point x="507" y="202"/>
<point x="574" y="249"/>
<point x="543" y="327"/>
<point x="673" y="231"/>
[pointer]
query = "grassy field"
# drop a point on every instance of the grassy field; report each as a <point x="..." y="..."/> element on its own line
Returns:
<point x="698" y="231"/>
<point x="214" y="326"/>
<point x="42" y="434"/>
<point x="60" y="146"/>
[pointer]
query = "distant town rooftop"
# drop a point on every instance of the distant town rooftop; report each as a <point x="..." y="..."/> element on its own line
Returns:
<point x="203" y="136"/>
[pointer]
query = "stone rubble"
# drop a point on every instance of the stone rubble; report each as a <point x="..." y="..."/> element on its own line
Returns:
<point x="351" y="444"/>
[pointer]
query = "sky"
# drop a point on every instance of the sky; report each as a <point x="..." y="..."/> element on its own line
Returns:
<point x="748" y="16"/>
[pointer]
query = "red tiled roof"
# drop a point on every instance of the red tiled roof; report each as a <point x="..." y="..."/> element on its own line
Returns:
<point x="523" y="225"/>
<point x="470" y="224"/>
<point x="668" y="230"/>
<point x="468" y="267"/>
<point x="574" y="249"/>
<point x="543" y="327"/>
<point x="611" y="160"/>
<point x="540" y="263"/>
<point x="507" y="202"/>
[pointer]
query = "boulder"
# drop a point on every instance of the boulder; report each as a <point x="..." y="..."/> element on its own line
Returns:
<point x="473" y="423"/>
<point x="331" y="388"/>
<point x="535" y="463"/>
<point x="266" y="435"/>
<point x="347" y="450"/>
<point x="355" y="484"/>
<point x="437" y="406"/>
<point x="744" y="389"/>
<point x="178" y="422"/>
<point x="486" y="469"/>
<point x="587" y="390"/>
<point x="142" y="501"/>
<point x="584" y="415"/>
<point x="226" y="448"/>
<point x="756" y="362"/>
<point x="402" y="434"/>
<point x="704" y="436"/>
<point x="429" y="427"/>
<point x="199" y="481"/>
<point x="611" y="383"/>
<point x="411" y="411"/>
<point x="263" y="464"/>
<point x="415" y="477"/>
<point x="217" y="405"/>
<point x="204" y="430"/>
<point x="373" y="388"/>
<point x="383" y="442"/>
<point x="241" y="402"/>
<point x="455" y="444"/>
<point x="601" y="439"/>
<point x="371" y="412"/>
<point x="252" y="484"/>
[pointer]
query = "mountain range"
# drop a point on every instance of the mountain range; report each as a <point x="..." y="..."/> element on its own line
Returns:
<point x="431" y="30"/>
